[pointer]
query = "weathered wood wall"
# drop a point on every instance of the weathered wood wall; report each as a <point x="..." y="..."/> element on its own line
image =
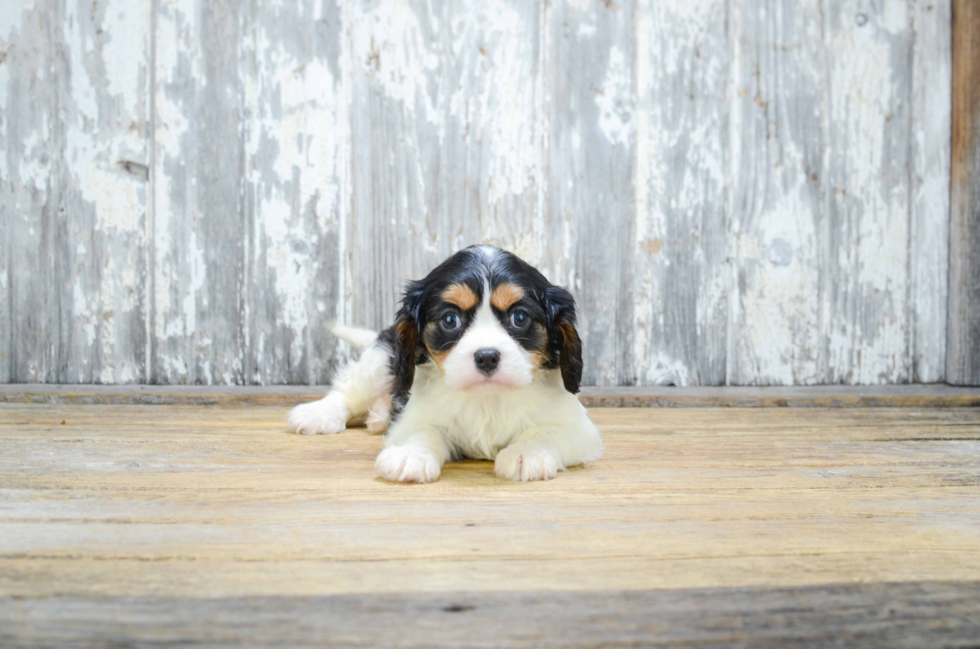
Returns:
<point x="737" y="191"/>
<point x="963" y="361"/>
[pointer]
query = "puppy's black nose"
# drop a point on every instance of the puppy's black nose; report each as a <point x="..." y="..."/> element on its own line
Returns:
<point x="487" y="360"/>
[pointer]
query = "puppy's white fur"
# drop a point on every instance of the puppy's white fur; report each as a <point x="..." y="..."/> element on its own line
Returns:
<point x="361" y="391"/>
<point x="524" y="420"/>
<point x="530" y="433"/>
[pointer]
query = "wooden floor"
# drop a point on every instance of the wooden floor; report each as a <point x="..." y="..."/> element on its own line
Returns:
<point x="144" y="525"/>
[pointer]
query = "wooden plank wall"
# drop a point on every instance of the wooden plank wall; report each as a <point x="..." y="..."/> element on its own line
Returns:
<point x="740" y="192"/>
<point x="963" y="362"/>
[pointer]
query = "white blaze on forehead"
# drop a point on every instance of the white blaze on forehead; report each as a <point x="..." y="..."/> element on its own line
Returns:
<point x="486" y="332"/>
<point x="487" y="252"/>
<point x="485" y="316"/>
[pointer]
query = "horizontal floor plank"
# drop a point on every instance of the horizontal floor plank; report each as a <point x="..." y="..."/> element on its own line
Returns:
<point x="822" y="396"/>
<point x="929" y="614"/>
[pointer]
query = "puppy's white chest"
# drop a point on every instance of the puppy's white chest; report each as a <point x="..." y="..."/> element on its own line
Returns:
<point x="483" y="426"/>
<point x="479" y="423"/>
<point x="478" y="443"/>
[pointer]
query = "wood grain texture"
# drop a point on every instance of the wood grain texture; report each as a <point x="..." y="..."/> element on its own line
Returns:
<point x="780" y="143"/>
<point x="743" y="192"/>
<point x="297" y="176"/>
<point x="589" y="57"/>
<point x="150" y="513"/>
<point x="199" y="212"/>
<point x="932" y="614"/>
<point x="869" y="187"/>
<point x="681" y="273"/>
<point x="445" y="149"/>
<point x="106" y="156"/>
<point x="929" y="242"/>
<point x="30" y="191"/>
<point x="75" y="90"/>
<point x="963" y="352"/>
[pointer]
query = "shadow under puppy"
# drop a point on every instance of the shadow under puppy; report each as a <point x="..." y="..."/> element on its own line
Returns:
<point x="482" y="362"/>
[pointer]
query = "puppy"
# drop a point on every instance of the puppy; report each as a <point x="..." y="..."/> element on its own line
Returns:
<point x="483" y="362"/>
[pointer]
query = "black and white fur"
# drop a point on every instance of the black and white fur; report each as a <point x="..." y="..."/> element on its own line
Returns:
<point x="483" y="362"/>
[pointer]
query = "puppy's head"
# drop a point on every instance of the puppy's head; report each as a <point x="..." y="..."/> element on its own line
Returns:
<point x="489" y="321"/>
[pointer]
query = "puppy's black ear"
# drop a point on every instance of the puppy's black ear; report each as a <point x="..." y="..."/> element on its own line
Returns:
<point x="408" y="329"/>
<point x="563" y="337"/>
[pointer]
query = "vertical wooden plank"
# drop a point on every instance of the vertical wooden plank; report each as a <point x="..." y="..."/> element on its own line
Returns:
<point x="443" y="134"/>
<point x="32" y="81"/>
<point x="963" y="351"/>
<point x="867" y="272"/>
<point x="683" y="275"/>
<point x="778" y="173"/>
<point x="30" y="162"/>
<point x="491" y="140"/>
<point x="394" y="231"/>
<point x="9" y="58"/>
<point x="929" y="241"/>
<point x="590" y="209"/>
<point x="297" y="166"/>
<point x="6" y="217"/>
<point x="76" y="99"/>
<point x="199" y="229"/>
<point x="105" y="175"/>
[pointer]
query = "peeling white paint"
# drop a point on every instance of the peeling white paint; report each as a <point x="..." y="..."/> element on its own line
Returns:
<point x="895" y="17"/>
<point x="12" y="16"/>
<point x="662" y="370"/>
<point x="615" y="99"/>
<point x="388" y="42"/>
<point x="779" y="335"/>
<point x="929" y="236"/>
<point x="297" y="166"/>
<point x="34" y="170"/>
<point x="127" y="25"/>
<point x="495" y="97"/>
<point x="740" y="169"/>
<point x="873" y="347"/>
<point x="681" y="179"/>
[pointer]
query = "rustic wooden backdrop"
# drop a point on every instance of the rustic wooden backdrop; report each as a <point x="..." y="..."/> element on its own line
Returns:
<point x="737" y="191"/>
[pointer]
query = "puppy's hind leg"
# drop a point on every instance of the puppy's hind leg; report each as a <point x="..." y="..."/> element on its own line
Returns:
<point x="357" y="387"/>
<point x="379" y="414"/>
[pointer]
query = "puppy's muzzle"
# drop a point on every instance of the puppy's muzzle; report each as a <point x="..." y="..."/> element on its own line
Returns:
<point x="487" y="360"/>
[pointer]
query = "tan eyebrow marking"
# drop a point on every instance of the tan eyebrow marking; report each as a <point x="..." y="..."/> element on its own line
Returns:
<point x="461" y="295"/>
<point x="506" y="296"/>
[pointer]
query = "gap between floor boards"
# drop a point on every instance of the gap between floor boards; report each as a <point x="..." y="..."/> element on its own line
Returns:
<point x="897" y="396"/>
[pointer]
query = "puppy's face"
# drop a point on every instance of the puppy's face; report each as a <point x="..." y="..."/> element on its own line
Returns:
<point x="486" y="336"/>
<point x="489" y="321"/>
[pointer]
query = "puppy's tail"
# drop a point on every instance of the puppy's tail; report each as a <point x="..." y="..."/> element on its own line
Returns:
<point x="358" y="338"/>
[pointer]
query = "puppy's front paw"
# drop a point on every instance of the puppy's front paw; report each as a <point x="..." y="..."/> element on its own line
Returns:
<point x="525" y="463"/>
<point x="324" y="417"/>
<point x="408" y="464"/>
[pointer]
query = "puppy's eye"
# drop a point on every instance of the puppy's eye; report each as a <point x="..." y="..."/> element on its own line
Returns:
<point x="519" y="319"/>
<point x="450" y="321"/>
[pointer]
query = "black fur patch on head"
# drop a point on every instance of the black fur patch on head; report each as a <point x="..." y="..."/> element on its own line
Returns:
<point x="539" y="316"/>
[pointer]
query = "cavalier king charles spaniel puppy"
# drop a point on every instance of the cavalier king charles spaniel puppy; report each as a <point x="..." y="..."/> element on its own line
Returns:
<point x="483" y="362"/>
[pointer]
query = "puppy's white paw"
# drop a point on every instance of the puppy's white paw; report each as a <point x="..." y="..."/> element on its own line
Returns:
<point x="379" y="415"/>
<point x="324" y="417"/>
<point x="524" y="463"/>
<point x="408" y="464"/>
